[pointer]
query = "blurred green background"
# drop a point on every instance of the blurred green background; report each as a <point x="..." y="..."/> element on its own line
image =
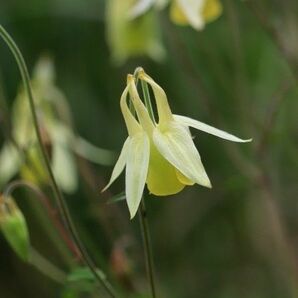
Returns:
<point x="239" y="74"/>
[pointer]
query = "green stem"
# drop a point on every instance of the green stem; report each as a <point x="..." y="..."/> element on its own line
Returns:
<point x="46" y="267"/>
<point x="63" y="209"/>
<point x="147" y="246"/>
<point x="147" y="99"/>
<point x="11" y="187"/>
<point x="142" y="211"/>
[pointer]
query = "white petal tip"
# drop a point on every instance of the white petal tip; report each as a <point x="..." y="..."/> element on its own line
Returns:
<point x="198" y="27"/>
<point x="105" y="188"/>
<point x="241" y="140"/>
<point x="247" y="141"/>
<point x="207" y="184"/>
<point x="238" y="140"/>
<point x="132" y="214"/>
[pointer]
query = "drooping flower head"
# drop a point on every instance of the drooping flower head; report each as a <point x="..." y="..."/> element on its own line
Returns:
<point x="195" y="13"/>
<point x="22" y="156"/>
<point x="133" y="29"/>
<point x="160" y="154"/>
<point x="132" y="37"/>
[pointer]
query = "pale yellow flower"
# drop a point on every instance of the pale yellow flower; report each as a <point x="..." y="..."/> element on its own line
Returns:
<point x="161" y="155"/>
<point x="132" y="36"/>
<point x="195" y="13"/>
<point x="57" y="134"/>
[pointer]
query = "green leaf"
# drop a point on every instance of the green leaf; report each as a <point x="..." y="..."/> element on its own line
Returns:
<point x="83" y="274"/>
<point x="80" y="280"/>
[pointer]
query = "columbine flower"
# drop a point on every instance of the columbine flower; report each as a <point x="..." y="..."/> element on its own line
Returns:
<point x="195" y="12"/>
<point x="132" y="37"/>
<point x="55" y="122"/>
<point x="161" y="155"/>
<point x="183" y="12"/>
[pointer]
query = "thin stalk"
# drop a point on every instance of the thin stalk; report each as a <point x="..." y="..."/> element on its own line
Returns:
<point x="46" y="267"/>
<point x="142" y="211"/>
<point x="146" y="93"/>
<point x="63" y="209"/>
<point x="51" y="212"/>
<point x="147" y="246"/>
<point x="147" y="100"/>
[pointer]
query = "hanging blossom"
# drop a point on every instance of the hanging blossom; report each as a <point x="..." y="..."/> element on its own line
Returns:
<point x="21" y="155"/>
<point x="161" y="155"/>
<point x="132" y="36"/>
<point x="195" y="13"/>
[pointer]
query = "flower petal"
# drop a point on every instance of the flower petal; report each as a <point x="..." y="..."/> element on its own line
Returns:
<point x="140" y="108"/>
<point x="183" y="179"/>
<point x="64" y="167"/>
<point x="176" y="145"/>
<point x="132" y="37"/>
<point x="120" y="164"/>
<point x="163" y="108"/>
<point x="140" y="8"/>
<point x="136" y="170"/>
<point x="191" y="9"/>
<point x="10" y="162"/>
<point x="212" y="10"/>
<point x="162" y="179"/>
<point x="208" y="128"/>
<point x="133" y="126"/>
<point x="160" y="4"/>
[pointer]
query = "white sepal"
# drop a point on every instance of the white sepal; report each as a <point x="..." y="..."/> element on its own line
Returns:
<point x="136" y="170"/>
<point x="208" y="129"/>
<point x="176" y="146"/>
<point x="141" y="7"/>
<point x="120" y="164"/>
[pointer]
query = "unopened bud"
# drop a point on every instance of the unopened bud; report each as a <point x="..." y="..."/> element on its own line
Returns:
<point x="14" y="228"/>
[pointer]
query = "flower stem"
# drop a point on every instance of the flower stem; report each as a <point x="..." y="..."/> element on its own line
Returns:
<point x="147" y="246"/>
<point x="142" y="211"/>
<point x="63" y="209"/>
<point x="11" y="187"/>
<point x="147" y="100"/>
<point x="46" y="267"/>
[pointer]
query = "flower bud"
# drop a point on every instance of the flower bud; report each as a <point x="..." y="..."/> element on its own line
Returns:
<point x="14" y="228"/>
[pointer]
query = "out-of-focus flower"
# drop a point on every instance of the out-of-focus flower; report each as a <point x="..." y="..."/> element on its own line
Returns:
<point x="55" y="123"/>
<point x="195" y="13"/>
<point x="14" y="228"/>
<point x="131" y="37"/>
<point x="163" y="154"/>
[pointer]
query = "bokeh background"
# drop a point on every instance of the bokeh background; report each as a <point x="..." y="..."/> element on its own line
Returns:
<point x="240" y="74"/>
